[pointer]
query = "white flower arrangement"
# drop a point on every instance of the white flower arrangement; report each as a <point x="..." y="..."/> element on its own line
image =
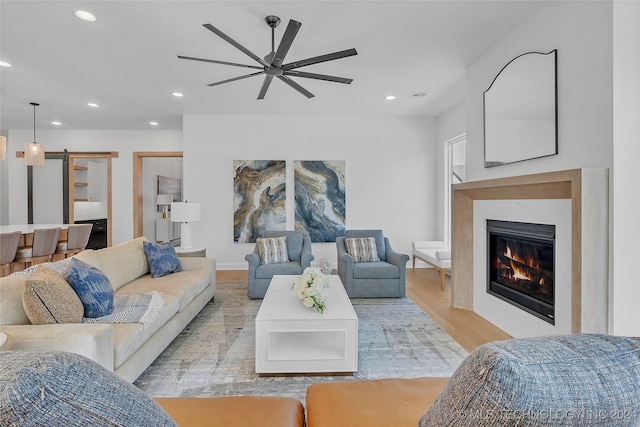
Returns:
<point x="311" y="287"/>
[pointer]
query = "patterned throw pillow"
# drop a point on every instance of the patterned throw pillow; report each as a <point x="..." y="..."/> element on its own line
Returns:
<point x="162" y="258"/>
<point x="272" y="250"/>
<point x="362" y="249"/>
<point x="93" y="288"/>
<point x="48" y="298"/>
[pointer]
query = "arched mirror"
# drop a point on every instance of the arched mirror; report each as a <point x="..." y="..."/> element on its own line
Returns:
<point x="521" y="110"/>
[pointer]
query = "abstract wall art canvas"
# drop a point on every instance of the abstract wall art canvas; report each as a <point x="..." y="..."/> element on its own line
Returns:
<point x="259" y="198"/>
<point x="320" y="198"/>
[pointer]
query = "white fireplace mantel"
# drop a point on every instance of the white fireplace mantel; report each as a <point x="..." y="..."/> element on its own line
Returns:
<point x="588" y="190"/>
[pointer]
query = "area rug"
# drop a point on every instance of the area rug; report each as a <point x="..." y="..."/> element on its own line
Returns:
<point x="215" y="354"/>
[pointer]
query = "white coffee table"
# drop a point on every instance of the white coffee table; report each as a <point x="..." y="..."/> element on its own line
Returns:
<point x="291" y="338"/>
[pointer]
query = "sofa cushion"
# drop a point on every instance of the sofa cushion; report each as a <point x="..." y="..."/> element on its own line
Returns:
<point x="362" y="249"/>
<point x="89" y="256"/>
<point x="375" y="270"/>
<point x="123" y="263"/>
<point x="397" y="402"/>
<point x="162" y="258"/>
<point x="544" y="381"/>
<point x="53" y="388"/>
<point x="93" y="288"/>
<point x="11" y="307"/>
<point x="272" y="250"/>
<point x="48" y="298"/>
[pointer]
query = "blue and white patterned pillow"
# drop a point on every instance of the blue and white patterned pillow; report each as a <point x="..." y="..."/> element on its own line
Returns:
<point x="93" y="288"/>
<point x="162" y="258"/>
<point x="362" y="249"/>
<point x="272" y="250"/>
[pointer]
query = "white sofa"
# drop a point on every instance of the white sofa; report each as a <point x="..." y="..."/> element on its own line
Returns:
<point x="124" y="348"/>
<point x="433" y="252"/>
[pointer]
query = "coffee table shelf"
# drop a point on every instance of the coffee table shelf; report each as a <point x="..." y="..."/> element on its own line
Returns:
<point x="291" y="338"/>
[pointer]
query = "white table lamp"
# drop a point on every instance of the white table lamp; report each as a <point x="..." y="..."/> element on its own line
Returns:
<point x="185" y="213"/>
<point x="164" y="200"/>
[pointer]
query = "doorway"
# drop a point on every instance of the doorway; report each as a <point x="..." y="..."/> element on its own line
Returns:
<point x="144" y="196"/>
<point x="455" y="172"/>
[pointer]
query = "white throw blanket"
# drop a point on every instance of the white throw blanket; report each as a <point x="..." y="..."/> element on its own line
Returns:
<point x="135" y="308"/>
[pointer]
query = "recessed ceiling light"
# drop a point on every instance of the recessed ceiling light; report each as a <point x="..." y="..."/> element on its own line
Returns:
<point x="4" y="64"/>
<point x="85" y="16"/>
<point x="389" y="97"/>
<point x="177" y="94"/>
<point x="153" y="123"/>
<point x="56" y="123"/>
<point x="93" y="105"/>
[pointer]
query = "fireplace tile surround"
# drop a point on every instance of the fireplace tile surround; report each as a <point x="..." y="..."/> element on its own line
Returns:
<point x="586" y="190"/>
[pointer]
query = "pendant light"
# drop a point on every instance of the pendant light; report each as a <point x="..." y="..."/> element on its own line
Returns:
<point x="34" y="152"/>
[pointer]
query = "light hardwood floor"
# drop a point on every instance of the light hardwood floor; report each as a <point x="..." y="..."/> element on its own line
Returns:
<point x="423" y="287"/>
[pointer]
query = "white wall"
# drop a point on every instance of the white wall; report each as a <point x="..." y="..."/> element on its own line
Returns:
<point x="625" y="292"/>
<point x="582" y="33"/>
<point x="391" y="173"/>
<point x="124" y="142"/>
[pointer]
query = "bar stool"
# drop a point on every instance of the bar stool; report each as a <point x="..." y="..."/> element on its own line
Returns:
<point x="8" y="248"/>
<point x="77" y="239"/>
<point x="44" y="245"/>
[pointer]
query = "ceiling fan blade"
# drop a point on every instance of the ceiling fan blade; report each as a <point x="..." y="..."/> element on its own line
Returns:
<point x="265" y="85"/>
<point x="235" y="78"/>
<point x="191" y="58"/>
<point x="335" y="79"/>
<point x="296" y="86"/>
<point x="287" y="39"/>
<point x="319" y="59"/>
<point x="235" y="44"/>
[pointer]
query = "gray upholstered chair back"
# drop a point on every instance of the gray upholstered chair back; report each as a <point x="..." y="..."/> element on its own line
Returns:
<point x="45" y="241"/>
<point x="78" y="236"/>
<point x="294" y="242"/>
<point x="377" y="234"/>
<point x="8" y="246"/>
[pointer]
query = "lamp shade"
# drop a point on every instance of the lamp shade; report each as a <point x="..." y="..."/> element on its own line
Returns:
<point x="3" y="147"/>
<point x="33" y="154"/>
<point x="185" y="212"/>
<point x="164" y="199"/>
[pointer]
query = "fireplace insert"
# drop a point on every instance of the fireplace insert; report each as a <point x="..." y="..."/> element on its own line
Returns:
<point x="520" y="266"/>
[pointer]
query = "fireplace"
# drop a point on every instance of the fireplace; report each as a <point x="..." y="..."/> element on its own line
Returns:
<point x="520" y="266"/>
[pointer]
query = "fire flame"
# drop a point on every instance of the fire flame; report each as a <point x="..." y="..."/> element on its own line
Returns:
<point x="518" y="272"/>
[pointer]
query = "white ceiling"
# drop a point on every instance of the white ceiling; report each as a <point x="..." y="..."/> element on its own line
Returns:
<point x="127" y="61"/>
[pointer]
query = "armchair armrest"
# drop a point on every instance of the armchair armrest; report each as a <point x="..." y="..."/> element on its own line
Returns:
<point x="428" y="244"/>
<point x="396" y="258"/>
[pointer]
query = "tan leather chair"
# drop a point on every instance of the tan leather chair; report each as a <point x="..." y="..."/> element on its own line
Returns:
<point x="77" y="239"/>
<point x="44" y="245"/>
<point x="8" y="248"/>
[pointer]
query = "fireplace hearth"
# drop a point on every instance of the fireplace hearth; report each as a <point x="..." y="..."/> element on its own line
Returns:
<point x="520" y="266"/>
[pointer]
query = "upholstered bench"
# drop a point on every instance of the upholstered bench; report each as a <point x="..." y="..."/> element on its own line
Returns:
<point x="234" y="411"/>
<point x="433" y="252"/>
<point x="372" y="403"/>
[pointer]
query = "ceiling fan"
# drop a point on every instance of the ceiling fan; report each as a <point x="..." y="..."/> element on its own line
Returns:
<point x="272" y="64"/>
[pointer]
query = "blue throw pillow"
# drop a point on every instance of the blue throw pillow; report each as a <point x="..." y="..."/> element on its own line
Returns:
<point x="93" y="288"/>
<point x="162" y="258"/>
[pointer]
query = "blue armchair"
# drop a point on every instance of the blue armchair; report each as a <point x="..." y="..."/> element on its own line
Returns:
<point x="300" y="257"/>
<point x="379" y="279"/>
